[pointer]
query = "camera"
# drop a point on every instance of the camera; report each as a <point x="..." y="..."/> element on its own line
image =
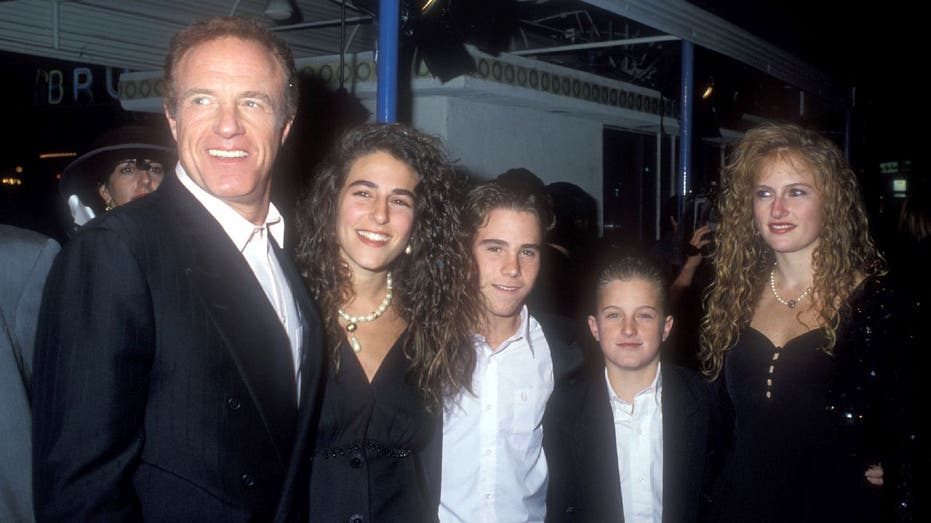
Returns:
<point x="704" y="212"/>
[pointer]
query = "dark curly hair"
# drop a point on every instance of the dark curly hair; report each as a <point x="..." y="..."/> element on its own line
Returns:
<point x="232" y="27"/>
<point x="742" y="260"/>
<point x="432" y="285"/>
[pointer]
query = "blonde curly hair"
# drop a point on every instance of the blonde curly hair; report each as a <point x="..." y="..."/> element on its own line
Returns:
<point x="845" y="253"/>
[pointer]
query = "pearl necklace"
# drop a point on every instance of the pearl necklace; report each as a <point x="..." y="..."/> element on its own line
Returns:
<point x="791" y="303"/>
<point x="352" y="322"/>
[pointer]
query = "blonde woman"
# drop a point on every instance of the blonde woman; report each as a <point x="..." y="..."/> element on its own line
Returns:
<point x="800" y="328"/>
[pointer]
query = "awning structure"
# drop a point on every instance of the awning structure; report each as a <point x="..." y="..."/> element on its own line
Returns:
<point x="622" y="39"/>
<point x="568" y="73"/>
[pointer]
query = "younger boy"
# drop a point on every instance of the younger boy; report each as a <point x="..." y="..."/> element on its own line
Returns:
<point x="631" y="443"/>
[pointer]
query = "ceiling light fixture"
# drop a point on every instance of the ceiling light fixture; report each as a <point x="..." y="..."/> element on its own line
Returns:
<point x="709" y="89"/>
<point x="438" y="30"/>
<point x="279" y="10"/>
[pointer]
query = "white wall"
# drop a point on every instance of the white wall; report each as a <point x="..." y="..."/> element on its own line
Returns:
<point x="515" y="112"/>
<point x="489" y="139"/>
<point x="486" y="139"/>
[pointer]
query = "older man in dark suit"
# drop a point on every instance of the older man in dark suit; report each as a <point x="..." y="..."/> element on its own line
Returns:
<point x="176" y="341"/>
<point x="27" y="257"/>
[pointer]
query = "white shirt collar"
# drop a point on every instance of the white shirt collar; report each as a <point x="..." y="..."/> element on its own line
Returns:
<point x="655" y="389"/>
<point x="238" y="228"/>
<point x="524" y="326"/>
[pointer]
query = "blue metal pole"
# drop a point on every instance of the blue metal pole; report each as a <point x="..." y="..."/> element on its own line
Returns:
<point x="848" y="133"/>
<point x="389" y="17"/>
<point x="685" y="122"/>
<point x="848" y="124"/>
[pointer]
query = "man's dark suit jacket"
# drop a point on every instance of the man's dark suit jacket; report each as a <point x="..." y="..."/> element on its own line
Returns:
<point x="579" y="442"/>
<point x="164" y="382"/>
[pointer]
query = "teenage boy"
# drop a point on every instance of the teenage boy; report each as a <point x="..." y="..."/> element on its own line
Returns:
<point x="493" y="466"/>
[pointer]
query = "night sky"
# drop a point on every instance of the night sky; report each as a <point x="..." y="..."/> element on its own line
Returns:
<point x="873" y="46"/>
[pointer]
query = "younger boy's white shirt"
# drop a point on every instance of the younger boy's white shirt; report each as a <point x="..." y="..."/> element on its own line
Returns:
<point x="494" y="468"/>
<point x="638" y="437"/>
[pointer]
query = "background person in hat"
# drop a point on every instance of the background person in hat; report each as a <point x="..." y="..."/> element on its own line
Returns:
<point x="123" y="164"/>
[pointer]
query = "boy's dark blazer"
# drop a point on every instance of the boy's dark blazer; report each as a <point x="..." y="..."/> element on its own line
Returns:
<point x="579" y="442"/>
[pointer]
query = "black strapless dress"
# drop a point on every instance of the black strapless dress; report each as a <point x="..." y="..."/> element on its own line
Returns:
<point x="808" y="424"/>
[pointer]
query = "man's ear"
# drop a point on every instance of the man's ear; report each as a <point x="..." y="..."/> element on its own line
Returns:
<point x="172" y="122"/>
<point x="593" y="326"/>
<point x="667" y="327"/>
<point x="286" y="129"/>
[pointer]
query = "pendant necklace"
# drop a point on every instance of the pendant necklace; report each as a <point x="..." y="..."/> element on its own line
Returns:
<point x="790" y="303"/>
<point x="352" y="322"/>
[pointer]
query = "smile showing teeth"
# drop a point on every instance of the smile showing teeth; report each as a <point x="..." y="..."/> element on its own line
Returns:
<point x="781" y="226"/>
<point x="222" y="153"/>
<point x="374" y="236"/>
<point x="506" y="288"/>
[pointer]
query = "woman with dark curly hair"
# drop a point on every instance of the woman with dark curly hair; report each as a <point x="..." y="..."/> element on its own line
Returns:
<point x="383" y="252"/>
<point x="801" y="322"/>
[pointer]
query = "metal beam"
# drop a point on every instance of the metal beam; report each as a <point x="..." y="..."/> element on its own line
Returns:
<point x="596" y="45"/>
<point x="355" y="20"/>
<point x="682" y="19"/>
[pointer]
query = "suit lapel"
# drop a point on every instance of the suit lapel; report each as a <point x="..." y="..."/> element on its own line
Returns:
<point x="243" y="316"/>
<point x="598" y="422"/>
<point x="597" y="445"/>
<point x="680" y="432"/>
<point x="290" y="507"/>
<point x="567" y="355"/>
<point x="311" y="344"/>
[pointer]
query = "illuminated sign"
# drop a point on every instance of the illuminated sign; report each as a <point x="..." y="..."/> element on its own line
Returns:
<point x="52" y="156"/>
<point x="78" y="85"/>
<point x="889" y="167"/>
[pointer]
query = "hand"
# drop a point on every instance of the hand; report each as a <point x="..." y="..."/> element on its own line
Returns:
<point x="699" y="239"/>
<point x="874" y="474"/>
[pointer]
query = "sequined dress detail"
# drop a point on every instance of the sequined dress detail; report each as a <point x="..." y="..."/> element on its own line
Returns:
<point x="808" y="424"/>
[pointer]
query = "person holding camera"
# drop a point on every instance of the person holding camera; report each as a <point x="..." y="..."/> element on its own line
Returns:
<point x="694" y="250"/>
<point x="690" y="275"/>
